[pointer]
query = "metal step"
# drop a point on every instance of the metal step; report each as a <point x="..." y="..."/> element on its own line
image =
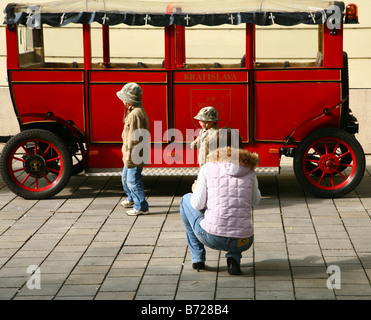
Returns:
<point x="171" y="171"/>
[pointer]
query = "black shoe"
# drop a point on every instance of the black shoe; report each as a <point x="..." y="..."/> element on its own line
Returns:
<point x="233" y="267"/>
<point x="198" y="266"/>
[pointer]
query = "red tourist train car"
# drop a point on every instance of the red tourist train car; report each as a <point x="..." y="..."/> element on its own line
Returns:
<point x="71" y="120"/>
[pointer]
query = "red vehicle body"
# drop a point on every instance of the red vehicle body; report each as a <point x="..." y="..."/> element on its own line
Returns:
<point x="291" y="109"/>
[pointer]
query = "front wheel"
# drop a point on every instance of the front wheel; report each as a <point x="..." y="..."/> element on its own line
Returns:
<point x="329" y="163"/>
<point x="35" y="164"/>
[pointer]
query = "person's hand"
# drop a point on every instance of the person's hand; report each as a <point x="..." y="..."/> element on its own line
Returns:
<point x="194" y="185"/>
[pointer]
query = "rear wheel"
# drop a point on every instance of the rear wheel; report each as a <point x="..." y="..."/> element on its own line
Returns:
<point x="329" y="163"/>
<point x="35" y="164"/>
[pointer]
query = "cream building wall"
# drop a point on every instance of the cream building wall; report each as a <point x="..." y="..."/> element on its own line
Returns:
<point x="226" y="45"/>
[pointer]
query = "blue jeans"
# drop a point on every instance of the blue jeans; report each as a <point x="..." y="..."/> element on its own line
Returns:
<point x="198" y="238"/>
<point x="134" y="188"/>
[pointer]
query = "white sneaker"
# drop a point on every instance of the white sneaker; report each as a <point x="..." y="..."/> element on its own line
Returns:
<point x="127" y="204"/>
<point x="135" y="212"/>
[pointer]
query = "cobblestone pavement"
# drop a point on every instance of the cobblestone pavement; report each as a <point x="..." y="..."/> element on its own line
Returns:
<point x="86" y="247"/>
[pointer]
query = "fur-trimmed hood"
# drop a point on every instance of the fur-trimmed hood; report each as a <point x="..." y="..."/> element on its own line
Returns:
<point x="236" y="156"/>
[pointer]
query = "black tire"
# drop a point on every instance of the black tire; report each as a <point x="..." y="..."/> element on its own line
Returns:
<point x="76" y="158"/>
<point x="35" y="164"/>
<point x="329" y="163"/>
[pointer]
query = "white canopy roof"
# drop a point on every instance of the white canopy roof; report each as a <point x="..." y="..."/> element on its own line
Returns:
<point x="168" y="12"/>
<point x="178" y="6"/>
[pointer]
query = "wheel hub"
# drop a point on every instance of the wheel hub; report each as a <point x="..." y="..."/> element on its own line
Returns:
<point x="329" y="163"/>
<point x="35" y="165"/>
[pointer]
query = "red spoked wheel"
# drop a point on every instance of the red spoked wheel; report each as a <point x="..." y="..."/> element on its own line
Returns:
<point x="329" y="163"/>
<point x="35" y="164"/>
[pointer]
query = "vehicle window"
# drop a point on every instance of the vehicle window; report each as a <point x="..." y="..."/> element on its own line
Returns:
<point x="131" y="47"/>
<point x="25" y="38"/>
<point x="288" y="47"/>
<point x="30" y="47"/>
<point x="218" y="47"/>
<point x="51" y="47"/>
<point x="64" y="47"/>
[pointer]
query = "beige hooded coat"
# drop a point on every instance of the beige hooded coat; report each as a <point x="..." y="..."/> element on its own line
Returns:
<point x="136" y="119"/>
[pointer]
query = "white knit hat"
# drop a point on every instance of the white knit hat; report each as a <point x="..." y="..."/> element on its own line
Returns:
<point x="131" y="93"/>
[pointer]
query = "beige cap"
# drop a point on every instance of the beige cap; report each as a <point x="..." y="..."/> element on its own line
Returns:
<point x="131" y="93"/>
<point x="207" y="114"/>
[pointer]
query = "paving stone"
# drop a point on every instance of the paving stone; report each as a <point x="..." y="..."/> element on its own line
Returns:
<point x="45" y="290"/>
<point x="307" y="238"/>
<point x="120" y="284"/>
<point x="196" y="286"/>
<point x="91" y="269"/>
<point x="96" y="261"/>
<point x="234" y="293"/>
<point x="78" y="291"/>
<point x="169" y="252"/>
<point x="155" y="279"/>
<point x="132" y="271"/>
<point x="13" y="282"/>
<point x="7" y="293"/>
<point x="163" y="269"/>
<point x="88" y="248"/>
<point x="32" y="297"/>
<point x="116" y="295"/>
<point x="195" y="296"/>
<point x="273" y="285"/>
<point x="310" y="283"/>
<point x="101" y="252"/>
<point x="157" y="298"/>
<point x="57" y="266"/>
<point x="79" y="279"/>
<point x="246" y="280"/>
<point x="189" y="274"/>
<point x="314" y="294"/>
<point x="274" y="295"/>
<point x="162" y="289"/>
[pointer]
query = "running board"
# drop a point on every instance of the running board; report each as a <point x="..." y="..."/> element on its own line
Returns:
<point x="263" y="171"/>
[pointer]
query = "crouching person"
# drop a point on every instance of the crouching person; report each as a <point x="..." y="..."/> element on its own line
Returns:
<point x="218" y="214"/>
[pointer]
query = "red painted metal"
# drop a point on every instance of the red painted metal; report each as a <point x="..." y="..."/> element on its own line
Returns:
<point x="227" y="91"/>
<point x="12" y="47"/>
<point x="122" y="77"/>
<point x="107" y="111"/>
<point x="266" y="105"/>
<point x="61" y="94"/>
<point x="180" y="47"/>
<point x="249" y="64"/>
<point x="285" y="99"/>
<point x="47" y="76"/>
<point x="106" y="46"/>
<point x="87" y="46"/>
<point x="333" y="48"/>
